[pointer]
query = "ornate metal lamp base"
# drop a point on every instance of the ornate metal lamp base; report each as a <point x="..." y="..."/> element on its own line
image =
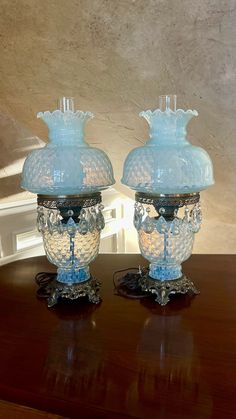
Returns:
<point x="163" y="289"/>
<point x="52" y="289"/>
<point x="88" y="289"/>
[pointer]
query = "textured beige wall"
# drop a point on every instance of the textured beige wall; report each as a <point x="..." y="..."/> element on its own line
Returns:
<point x="115" y="57"/>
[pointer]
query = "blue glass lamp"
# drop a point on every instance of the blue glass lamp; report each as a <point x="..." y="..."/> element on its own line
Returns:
<point x="68" y="176"/>
<point x="167" y="174"/>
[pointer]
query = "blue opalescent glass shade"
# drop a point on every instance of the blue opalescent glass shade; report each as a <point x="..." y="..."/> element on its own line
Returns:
<point x="168" y="163"/>
<point x="67" y="165"/>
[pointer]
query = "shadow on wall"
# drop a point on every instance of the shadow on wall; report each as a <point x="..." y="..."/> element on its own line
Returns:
<point x="15" y="143"/>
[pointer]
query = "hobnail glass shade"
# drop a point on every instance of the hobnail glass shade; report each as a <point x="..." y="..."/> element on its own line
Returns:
<point x="67" y="165"/>
<point x="168" y="163"/>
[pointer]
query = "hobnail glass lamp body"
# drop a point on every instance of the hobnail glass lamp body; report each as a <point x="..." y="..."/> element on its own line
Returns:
<point x="72" y="243"/>
<point x="166" y="244"/>
<point x="67" y="167"/>
<point x="168" y="165"/>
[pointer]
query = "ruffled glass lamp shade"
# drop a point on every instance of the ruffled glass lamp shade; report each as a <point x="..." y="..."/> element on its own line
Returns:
<point x="168" y="163"/>
<point x="167" y="174"/>
<point x="68" y="175"/>
<point x="67" y="165"/>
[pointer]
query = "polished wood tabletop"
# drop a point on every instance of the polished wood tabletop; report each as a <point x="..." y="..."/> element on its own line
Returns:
<point x="123" y="358"/>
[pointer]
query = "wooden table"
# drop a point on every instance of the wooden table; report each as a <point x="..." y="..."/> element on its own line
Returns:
<point x="124" y="358"/>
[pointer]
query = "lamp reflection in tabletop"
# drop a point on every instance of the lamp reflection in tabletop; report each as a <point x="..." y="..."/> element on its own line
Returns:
<point x="74" y="365"/>
<point x="170" y="369"/>
<point x="158" y="369"/>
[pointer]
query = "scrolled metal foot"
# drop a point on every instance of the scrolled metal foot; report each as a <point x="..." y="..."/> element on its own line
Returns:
<point x="53" y="290"/>
<point x="94" y="298"/>
<point x="163" y="289"/>
<point x="52" y="300"/>
<point x="93" y="291"/>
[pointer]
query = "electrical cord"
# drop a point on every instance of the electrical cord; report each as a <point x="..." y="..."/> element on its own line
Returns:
<point x="128" y="285"/>
<point x="43" y="279"/>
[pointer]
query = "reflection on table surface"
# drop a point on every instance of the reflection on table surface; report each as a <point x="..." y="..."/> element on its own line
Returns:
<point x="124" y="357"/>
<point x="161" y="370"/>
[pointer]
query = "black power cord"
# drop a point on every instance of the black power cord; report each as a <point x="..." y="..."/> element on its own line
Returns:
<point x="43" y="279"/>
<point x="127" y="284"/>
